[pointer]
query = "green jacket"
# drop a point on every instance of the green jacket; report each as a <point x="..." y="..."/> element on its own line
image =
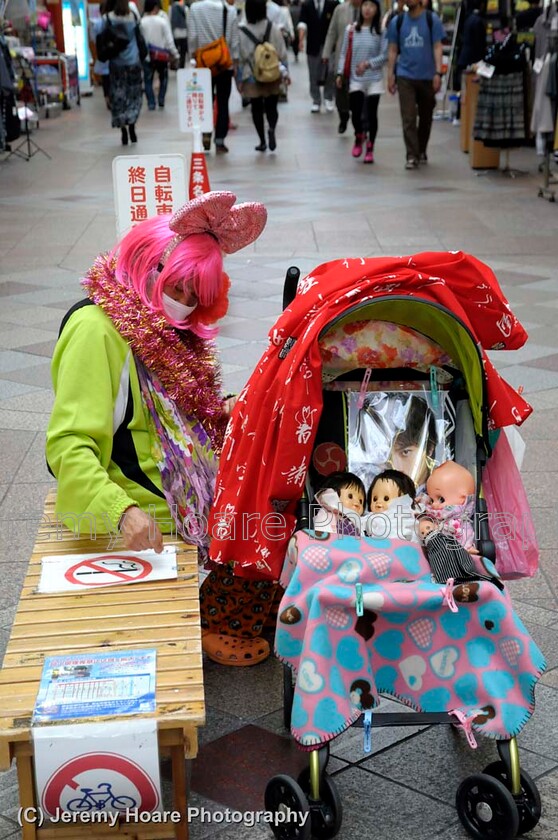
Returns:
<point x="98" y="444"/>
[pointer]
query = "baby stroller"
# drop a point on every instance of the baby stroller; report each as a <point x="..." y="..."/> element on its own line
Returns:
<point x="383" y="336"/>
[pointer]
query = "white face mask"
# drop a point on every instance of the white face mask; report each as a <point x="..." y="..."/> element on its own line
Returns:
<point x="176" y="310"/>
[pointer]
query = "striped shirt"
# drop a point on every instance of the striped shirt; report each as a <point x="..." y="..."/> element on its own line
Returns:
<point x="367" y="46"/>
<point x="205" y="24"/>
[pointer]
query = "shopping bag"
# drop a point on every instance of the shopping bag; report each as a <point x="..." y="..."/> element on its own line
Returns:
<point x="511" y="522"/>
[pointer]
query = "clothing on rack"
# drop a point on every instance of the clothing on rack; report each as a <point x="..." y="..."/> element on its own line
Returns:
<point x="543" y="29"/>
<point x="503" y="105"/>
<point x="10" y="127"/>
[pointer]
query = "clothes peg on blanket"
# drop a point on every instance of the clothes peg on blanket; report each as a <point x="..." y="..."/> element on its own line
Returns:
<point x="359" y="601"/>
<point x="465" y="723"/>
<point x="368" y="731"/>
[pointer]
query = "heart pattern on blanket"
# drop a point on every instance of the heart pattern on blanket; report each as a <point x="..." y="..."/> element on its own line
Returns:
<point x="365" y="624"/>
<point x="317" y="557"/>
<point x="308" y="678"/>
<point x="350" y="571"/>
<point x="421" y="632"/>
<point x="379" y="563"/>
<point x="413" y="669"/>
<point x="337" y="617"/>
<point x="511" y="649"/>
<point x="443" y="662"/>
<point x="408" y="643"/>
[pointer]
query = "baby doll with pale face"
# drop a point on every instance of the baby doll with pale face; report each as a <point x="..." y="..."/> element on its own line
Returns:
<point x="446" y="528"/>
<point x="391" y="501"/>
<point x="450" y="502"/>
<point x="341" y="504"/>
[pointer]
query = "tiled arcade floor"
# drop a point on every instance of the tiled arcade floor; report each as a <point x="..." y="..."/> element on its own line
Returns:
<point x="56" y="215"/>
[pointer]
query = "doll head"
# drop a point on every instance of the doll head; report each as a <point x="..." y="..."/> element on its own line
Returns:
<point x="349" y="488"/>
<point x="449" y="484"/>
<point x="389" y="485"/>
<point x="175" y="263"/>
<point x="424" y="526"/>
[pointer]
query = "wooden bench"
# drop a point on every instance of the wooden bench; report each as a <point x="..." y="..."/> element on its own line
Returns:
<point x="162" y="614"/>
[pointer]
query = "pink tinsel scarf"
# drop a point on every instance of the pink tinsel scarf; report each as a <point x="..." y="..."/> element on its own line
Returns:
<point x="185" y="364"/>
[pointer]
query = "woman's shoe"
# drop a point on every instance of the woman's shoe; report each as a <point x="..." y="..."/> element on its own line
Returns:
<point x="261" y="148"/>
<point x="357" y="148"/>
<point x="369" y="156"/>
<point x="124" y="134"/>
<point x="272" y="140"/>
<point x="231" y="650"/>
<point x="133" y="136"/>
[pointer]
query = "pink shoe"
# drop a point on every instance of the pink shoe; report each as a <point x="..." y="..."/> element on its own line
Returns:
<point x="369" y="156"/>
<point x="357" y="148"/>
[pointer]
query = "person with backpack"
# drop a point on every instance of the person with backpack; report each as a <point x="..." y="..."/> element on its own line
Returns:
<point x="263" y="65"/>
<point x="125" y="66"/>
<point x="415" y="71"/>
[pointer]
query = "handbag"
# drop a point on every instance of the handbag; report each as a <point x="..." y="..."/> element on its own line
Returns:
<point x="140" y="41"/>
<point x="215" y="55"/>
<point x="159" y="54"/>
<point x="348" y="56"/>
<point x="110" y="42"/>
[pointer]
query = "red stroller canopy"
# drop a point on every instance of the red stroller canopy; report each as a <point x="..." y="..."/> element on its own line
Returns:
<point x="269" y="441"/>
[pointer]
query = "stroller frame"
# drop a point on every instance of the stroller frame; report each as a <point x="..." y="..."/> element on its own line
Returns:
<point x="499" y="803"/>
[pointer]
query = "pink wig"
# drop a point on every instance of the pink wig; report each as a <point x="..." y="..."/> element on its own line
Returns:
<point x="197" y="258"/>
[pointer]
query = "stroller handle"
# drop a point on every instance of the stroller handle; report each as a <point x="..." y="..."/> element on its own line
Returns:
<point x="289" y="288"/>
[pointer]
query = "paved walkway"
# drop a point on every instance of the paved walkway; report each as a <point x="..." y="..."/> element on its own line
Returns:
<point x="55" y="216"/>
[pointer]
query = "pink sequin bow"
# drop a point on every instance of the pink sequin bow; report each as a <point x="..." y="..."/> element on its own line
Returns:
<point x="213" y="212"/>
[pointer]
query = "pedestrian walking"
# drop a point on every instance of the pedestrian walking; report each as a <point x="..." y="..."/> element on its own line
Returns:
<point x="344" y="15"/>
<point x="315" y="17"/>
<point x="162" y="50"/>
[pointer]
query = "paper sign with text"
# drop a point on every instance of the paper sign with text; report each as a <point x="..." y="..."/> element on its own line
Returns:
<point x="195" y="101"/>
<point x="147" y="185"/>
<point x="68" y="572"/>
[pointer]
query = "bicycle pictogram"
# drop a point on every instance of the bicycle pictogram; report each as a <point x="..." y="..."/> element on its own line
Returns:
<point x="97" y="799"/>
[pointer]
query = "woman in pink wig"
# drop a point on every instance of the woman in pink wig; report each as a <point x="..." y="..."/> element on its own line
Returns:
<point x="138" y="418"/>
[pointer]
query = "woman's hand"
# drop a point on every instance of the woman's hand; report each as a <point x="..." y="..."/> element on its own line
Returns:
<point x="392" y="84"/>
<point x="339" y="82"/>
<point x="140" y="531"/>
<point x="361" y="68"/>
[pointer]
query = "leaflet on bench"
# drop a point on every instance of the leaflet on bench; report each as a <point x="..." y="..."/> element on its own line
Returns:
<point x="96" y="684"/>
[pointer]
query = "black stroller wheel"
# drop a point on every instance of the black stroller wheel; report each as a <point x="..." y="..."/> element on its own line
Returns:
<point x="326" y="814"/>
<point x="288" y="696"/>
<point x="283" y="793"/>
<point x="529" y="800"/>
<point x="486" y="808"/>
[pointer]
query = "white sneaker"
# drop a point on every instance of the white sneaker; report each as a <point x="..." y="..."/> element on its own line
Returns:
<point x="329" y="106"/>
<point x="315" y="109"/>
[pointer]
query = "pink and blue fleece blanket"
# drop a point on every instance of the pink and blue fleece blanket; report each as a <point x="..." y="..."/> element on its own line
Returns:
<point x="436" y="648"/>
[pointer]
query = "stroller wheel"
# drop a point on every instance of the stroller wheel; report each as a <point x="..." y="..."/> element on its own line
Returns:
<point x="529" y="800"/>
<point x="327" y="813"/>
<point x="486" y="808"/>
<point x="288" y="696"/>
<point x="284" y="796"/>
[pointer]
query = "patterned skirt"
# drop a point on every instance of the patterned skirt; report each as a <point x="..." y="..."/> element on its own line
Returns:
<point x="500" y="118"/>
<point x="126" y="92"/>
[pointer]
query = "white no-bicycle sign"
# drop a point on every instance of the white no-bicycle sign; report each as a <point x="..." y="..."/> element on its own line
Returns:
<point x="74" y="774"/>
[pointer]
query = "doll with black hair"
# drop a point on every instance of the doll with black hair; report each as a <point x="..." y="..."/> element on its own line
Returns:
<point x="391" y="502"/>
<point x="341" y="504"/>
